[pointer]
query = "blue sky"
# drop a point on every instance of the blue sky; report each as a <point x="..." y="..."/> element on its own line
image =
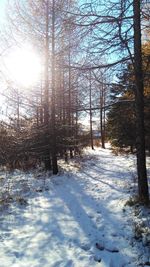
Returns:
<point x="2" y="3"/>
<point x="2" y="9"/>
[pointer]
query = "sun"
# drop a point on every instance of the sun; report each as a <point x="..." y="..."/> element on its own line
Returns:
<point x="24" y="66"/>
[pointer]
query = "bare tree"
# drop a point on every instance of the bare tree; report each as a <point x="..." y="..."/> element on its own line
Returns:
<point x="139" y="100"/>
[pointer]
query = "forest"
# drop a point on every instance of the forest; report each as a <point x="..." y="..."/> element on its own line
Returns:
<point x="75" y="133"/>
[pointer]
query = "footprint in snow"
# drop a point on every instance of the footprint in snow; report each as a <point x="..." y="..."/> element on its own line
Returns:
<point x="85" y="246"/>
<point x="91" y="216"/>
<point x="18" y="254"/>
<point x="98" y="211"/>
<point x="97" y="258"/>
<point x="100" y="246"/>
<point x="111" y="249"/>
<point x="114" y="234"/>
<point x="69" y="263"/>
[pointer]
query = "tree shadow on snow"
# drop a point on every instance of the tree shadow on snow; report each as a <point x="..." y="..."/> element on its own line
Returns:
<point x="63" y="223"/>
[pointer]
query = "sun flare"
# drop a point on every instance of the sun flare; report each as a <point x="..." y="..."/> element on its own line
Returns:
<point x="24" y="66"/>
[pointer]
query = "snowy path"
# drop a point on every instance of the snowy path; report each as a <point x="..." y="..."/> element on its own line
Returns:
<point x="78" y="221"/>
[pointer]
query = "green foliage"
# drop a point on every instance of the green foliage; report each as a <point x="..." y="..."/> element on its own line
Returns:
<point x="121" y="125"/>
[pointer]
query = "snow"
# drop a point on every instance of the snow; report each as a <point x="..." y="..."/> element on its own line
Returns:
<point x="75" y="219"/>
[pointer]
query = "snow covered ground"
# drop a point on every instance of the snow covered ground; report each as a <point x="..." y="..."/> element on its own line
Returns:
<point x="75" y="219"/>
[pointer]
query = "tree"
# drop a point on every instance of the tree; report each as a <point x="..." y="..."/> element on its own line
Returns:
<point x="118" y="29"/>
<point x="121" y="123"/>
<point x="139" y="101"/>
<point x="53" y="116"/>
<point x="121" y="114"/>
<point x="45" y="23"/>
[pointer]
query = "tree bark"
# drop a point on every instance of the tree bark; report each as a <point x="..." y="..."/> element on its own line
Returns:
<point x="91" y="124"/>
<point x="54" y="150"/>
<point x="47" y="161"/>
<point x="102" y="113"/>
<point x="18" y="112"/>
<point x="70" y="100"/>
<point x="139" y="100"/>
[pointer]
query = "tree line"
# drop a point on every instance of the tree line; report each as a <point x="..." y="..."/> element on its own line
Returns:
<point x="83" y="46"/>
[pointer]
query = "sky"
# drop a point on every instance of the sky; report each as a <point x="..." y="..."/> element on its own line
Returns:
<point x="2" y="10"/>
<point x="2" y="20"/>
<point x="2" y="15"/>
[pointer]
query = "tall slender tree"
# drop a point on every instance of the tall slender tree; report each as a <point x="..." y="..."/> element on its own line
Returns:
<point x="139" y="100"/>
<point x="53" y="124"/>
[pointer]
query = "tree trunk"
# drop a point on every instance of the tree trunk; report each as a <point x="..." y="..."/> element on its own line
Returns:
<point x="91" y="124"/>
<point x="102" y="128"/>
<point x="70" y="100"/>
<point x="102" y="114"/>
<point x="47" y="161"/>
<point x="54" y="150"/>
<point x="46" y="91"/>
<point x="18" y="112"/>
<point x="139" y="100"/>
